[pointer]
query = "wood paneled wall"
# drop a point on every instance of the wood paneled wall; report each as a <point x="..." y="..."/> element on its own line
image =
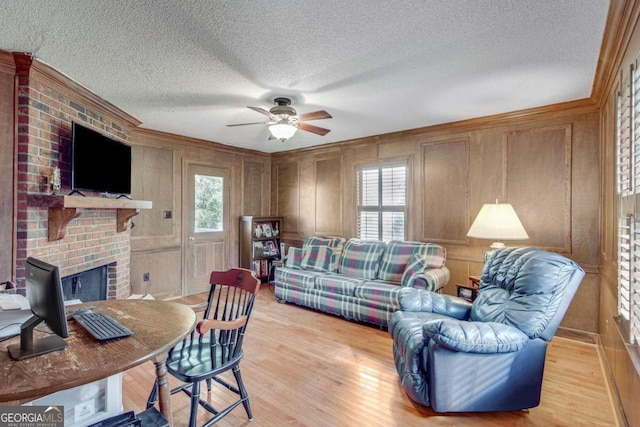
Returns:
<point x="545" y="165"/>
<point x="157" y="244"/>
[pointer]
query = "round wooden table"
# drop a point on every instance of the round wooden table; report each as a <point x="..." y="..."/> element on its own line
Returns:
<point x="157" y="326"/>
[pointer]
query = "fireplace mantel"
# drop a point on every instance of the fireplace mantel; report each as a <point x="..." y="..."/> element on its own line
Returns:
<point x="64" y="208"/>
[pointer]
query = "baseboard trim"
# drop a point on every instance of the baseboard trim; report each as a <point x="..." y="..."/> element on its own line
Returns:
<point x="578" y="335"/>
<point x="595" y="339"/>
<point x="614" y="396"/>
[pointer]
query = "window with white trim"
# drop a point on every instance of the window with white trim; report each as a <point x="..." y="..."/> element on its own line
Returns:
<point x="628" y="188"/>
<point x="381" y="202"/>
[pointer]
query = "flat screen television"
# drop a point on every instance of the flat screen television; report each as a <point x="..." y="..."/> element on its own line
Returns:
<point x="99" y="163"/>
<point x="44" y="292"/>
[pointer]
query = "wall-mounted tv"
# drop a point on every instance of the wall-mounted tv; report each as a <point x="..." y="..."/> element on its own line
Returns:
<point x="99" y="163"/>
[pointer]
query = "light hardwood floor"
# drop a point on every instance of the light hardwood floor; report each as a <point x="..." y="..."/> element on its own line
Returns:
<point x="304" y="368"/>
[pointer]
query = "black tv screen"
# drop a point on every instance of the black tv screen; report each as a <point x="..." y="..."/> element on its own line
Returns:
<point x="99" y="163"/>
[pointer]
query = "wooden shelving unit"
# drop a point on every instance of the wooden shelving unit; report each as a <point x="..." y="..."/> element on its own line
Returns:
<point x="259" y="251"/>
<point x="64" y="208"/>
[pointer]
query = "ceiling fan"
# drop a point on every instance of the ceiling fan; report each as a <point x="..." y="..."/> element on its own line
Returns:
<point x="284" y="121"/>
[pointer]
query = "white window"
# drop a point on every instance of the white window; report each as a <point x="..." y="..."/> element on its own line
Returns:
<point x="381" y="202"/>
<point x="628" y="187"/>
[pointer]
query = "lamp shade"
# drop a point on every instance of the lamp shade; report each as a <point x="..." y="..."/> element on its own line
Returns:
<point x="497" y="221"/>
<point x="282" y="131"/>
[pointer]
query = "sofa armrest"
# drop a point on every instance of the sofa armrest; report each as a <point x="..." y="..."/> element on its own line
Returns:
<point x="411" y="299"/>
<point x="475" y="337"/>
<point x="431" y="279"/>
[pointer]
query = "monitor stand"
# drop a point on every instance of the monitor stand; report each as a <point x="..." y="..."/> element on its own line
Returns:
<point x="30" y="348"/>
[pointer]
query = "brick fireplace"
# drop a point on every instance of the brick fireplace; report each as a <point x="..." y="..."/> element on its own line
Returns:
<point x="48" y="102"/>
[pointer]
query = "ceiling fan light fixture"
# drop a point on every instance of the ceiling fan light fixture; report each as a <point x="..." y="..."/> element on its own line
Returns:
<point x="284" y="121"/>
<point x="282" y="131"/>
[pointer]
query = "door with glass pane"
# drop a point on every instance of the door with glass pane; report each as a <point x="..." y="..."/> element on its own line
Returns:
<point x="206" y="225"/>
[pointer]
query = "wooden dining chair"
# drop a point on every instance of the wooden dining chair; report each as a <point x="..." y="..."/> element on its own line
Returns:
<point x="215" y="346"/>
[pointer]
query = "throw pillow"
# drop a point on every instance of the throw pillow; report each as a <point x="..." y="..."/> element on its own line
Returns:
<point x="360" y="258"/>
<point x="294" y="257"/>
<point x="416" y="265"/>
<point x="335" y="243"/>
<point x="317" y="258"/>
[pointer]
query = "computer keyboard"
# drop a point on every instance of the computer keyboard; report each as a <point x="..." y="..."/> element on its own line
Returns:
<point x="101" y="326"/>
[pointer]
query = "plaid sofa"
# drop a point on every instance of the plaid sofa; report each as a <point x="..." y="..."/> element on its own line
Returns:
<point x="358" y="279"/>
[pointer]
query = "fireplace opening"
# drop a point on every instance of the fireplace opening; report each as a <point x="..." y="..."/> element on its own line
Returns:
<point x="86" y="286"/>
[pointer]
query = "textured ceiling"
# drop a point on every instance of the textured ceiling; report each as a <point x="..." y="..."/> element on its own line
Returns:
<point x="191" y="67"/>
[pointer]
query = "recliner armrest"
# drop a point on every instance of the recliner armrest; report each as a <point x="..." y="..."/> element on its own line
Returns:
<point x="411" y="299"/>
<point x="475" y="337"/>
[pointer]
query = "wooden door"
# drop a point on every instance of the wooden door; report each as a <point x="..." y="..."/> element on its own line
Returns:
<point x="206" y="224"/>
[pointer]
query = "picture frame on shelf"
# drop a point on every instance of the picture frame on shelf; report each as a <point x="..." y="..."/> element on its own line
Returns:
<point x="266" y="230"/>
<point x="258" y="249"/>
<point x="270" y="248"/>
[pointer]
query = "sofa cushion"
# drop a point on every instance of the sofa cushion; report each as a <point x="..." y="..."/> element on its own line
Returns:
<point x="316" y="258"/>
<point x="294" y="257"/>
<point x="361" y="258"/>
<point x="379" y="291"/>
<point x="398" y="254"/>
<point x="346" y="306"/>
<point x="338" y="284"/>
<point x="296" y="277"/>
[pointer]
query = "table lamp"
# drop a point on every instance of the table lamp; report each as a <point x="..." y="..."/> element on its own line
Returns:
<point x="497" y="221"/>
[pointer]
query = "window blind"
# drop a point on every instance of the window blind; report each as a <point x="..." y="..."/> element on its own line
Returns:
<point x="628" y="183"/>
<point x="624" y="267"/>
<point x="623" y="149"/>
<point x="635" y="129"/>
<point x="381" y="196"/>
<point x="632" y="290"/>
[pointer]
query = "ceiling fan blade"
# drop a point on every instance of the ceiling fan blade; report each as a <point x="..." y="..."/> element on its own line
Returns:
<point x="261" y="111"/>
<point x="244" y="124"/>
<point x="316" y="115"/>
<point x="313" y="129"/>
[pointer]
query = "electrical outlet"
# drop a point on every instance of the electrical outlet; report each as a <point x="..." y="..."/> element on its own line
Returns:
<point x="145" y="277"/>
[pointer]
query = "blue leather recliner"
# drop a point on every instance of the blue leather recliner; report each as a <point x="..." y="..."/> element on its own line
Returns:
<point x="487" y="356"/>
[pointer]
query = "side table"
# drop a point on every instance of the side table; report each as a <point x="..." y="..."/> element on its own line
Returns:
<point x="469" y="291"/>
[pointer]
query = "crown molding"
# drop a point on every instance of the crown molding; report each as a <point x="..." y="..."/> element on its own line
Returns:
<point x="621" y="20"/>
<point x="27" y="65"/>
<point x="168" y="139"/>
<point x="548" y="112"/>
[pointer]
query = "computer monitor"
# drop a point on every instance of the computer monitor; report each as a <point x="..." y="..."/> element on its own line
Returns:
<point x="44" y="292"/>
